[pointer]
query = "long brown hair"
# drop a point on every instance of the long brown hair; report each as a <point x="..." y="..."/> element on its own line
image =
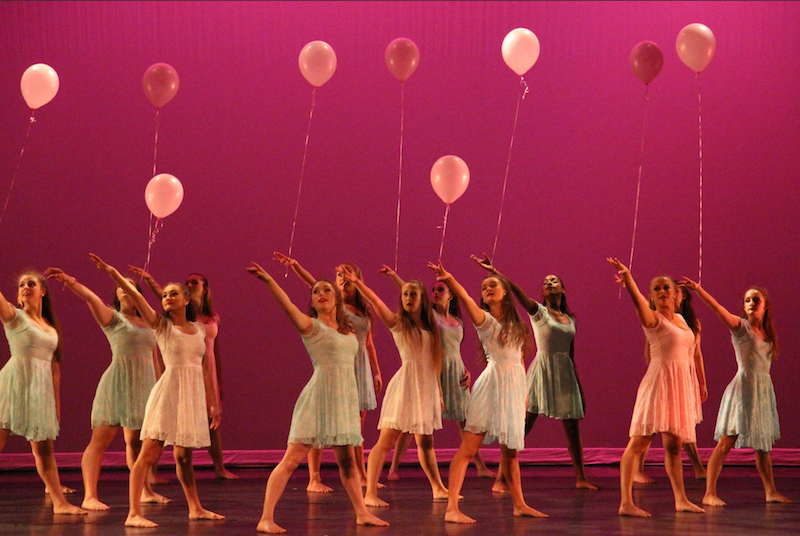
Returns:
<point x="207" y="307"/>
<point x="514" y="331"/>
<point x="191" y="314"/>
<point x="358" y="299"/>
<point x="412" y="332"/>
<point x="769" y="322"/>
<point x="342" y="320"/>
<point x="48" y="312"/>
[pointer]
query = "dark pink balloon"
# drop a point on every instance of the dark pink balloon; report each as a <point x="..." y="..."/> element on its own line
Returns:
<point x="646" y="61"/>
<point x="402" y="58"/>
<point x="160" y="83"/>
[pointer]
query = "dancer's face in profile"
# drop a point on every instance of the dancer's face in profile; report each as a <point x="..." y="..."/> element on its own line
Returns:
<point x="552" y="286"/>
<point x="755" y="304"/>
<point x="196" y="286"/>
<point x="411" y="298"/>
<point x="492" y="290"/>
<point x="173" y="298"/>
<point x="323" y="297"/>
<point x="663" y="293"/>
<point x="441" y="295"/>
<point x="347" y="288"/>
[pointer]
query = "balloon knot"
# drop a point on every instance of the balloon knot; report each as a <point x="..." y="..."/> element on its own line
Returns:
<point x="33" y="119"/>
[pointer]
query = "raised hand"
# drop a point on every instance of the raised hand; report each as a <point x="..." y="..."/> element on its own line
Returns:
<point x="139" y="271"/>
<point x="100" y="264"/>
<point x="441" y="273"/>
<point x="621" y="268"/>
<point x="259" y="272"/>
<point x="485" y="262"/>
<point x="688" y="283"/>
<point x="386" y="270"/>
<point x="347" y="273"/>
<point x="283" y="259"/>
<point x="57" y="274"/>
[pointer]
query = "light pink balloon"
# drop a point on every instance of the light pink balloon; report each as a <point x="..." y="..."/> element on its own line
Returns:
<point x="696" y="45"/>
<point x="449" y="178"/>
<point x="163" y="195"/>
<point x="39" y="85"/>
<point x="317" y="62"/>
<point x="402" y="58"/>
<point x="520" y="50"/>
<point x="160" y="83"/>
<point x="646" y="61"/>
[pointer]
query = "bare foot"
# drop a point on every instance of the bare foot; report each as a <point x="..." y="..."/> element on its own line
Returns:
<point x="154" y="498"/>
<point x="776" y="497"/>
<point x="440" y="496"/>
<point x="393" y="476"/>
<point x="456" y="516"/>
<point x="632" y="510"/>
<point x="139" y="521"/>
<point x="688" y="506"/>
<point x="370" y="520"/>
<point x="527" y="511"/>
<point x="700" y="475"/>
<point x="226" y="475"/>
<point x="500" y="487"/>
<point x="712" y="500"/>
<point x="205" y="515"/>
<point x="486" y="473"/>
<point x="318" y="487"/>
<point x="155" y="479"/>
<point x="69" y="509"/>
<point x="641" y="478"/>
<point x="270" y="527"/>
<point x="375" y="501"/>
<point x="585" y="484"/>
<point x="94" y="505"/>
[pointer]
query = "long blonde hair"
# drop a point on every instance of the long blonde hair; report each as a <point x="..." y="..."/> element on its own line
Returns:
<point x="412" y="332"/>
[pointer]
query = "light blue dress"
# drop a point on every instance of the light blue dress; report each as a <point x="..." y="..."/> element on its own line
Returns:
<point x="456" y="397"/>
<point x="553" y="389"/>
<point x="126" y="384"/>
<point x="748" y="408"/>
<point x="326" y="412"/>
<point x="366" y="386"/>
<point x="497" y="404"/>
<point x="27" y="397"/>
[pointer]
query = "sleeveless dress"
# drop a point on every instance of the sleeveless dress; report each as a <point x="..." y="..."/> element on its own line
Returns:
<point x="553" y="388"/>
<point x="748" y="408"/>
<point x="212" y="330"/>
<point x="27" y="397"/>
<point x="411" y="402"/>
<point x="326" y="412"/>
<point x="364" y="382"/>
<point x="668" y="399"/>
<point x="126" y="384"/>
<point x="176" y="411"/>
<point x="456" y="398"/>
<point x="497" y="404"/>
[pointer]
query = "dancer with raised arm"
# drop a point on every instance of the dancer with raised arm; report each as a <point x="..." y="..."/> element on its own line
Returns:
<point x="123" y="389"/>
<point x="413" y="399"/>
<point x="367" y="370"/>
<point x="178" y="407"/>
<point x="668" y="399"/>
<point x="748" y="413"/>
<point x="30" y="382"/>
<point x="496" y="410"/>
<point x="326" y="412"/>
<point x="553" y="386"/>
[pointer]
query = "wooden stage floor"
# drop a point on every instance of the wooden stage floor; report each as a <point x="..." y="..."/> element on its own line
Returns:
<point x="24" y="509"/>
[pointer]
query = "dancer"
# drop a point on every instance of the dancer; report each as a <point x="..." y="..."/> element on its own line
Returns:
<point x="496" y="409"/>
<point x="206" y="315"/>
<point x="455" y="377"/>
<point x="176" y="411"/>
<point x="326" y="412"/>
<point x="30" y="403"/>
<point x="368" y="372"/>
<point x="668" y="399"/>
<point x="413" y="399"/>
<point x="124" y="387"/>
<point x="554" y="389"/>
<point x="748" y="414"/>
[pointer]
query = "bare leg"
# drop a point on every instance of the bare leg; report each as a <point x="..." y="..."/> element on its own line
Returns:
<point x="3" y="438"/>
<point x="427" y="459"/>
<point x="377" y="457"/>
<point x="724" y="446"/>
<point x="400" y="448"/>
<point x="483" y="471"/>
<point x="152" y="476"/>
<point x="148" y="455"/>
<point x="315" y="484"/>
<point x="48" y="471"/>
<point x="764" y="465"/>
<point x="133" y="445"/>
<point x="185" y="471"/>
<point x="674" y="466"/>
<point x="500" y="484"/>
<point x="510" y="462"/>
<point x="575" y="447"/>
<point x="276" y="483"/>
<point x="91" y="464"/>
<point x="215" y="451"/>
<point x="470" y="443"/>
<point x="359" y="454"/>
<point x="637" y="446"/>
<point x="348" y="473"/>
<point x="691" y="451"/>
<point x="638" y="475"/>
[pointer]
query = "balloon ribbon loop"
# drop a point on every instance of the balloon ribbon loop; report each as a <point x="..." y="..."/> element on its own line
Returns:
<point x="16" y="170"/>
<point x="399" y="174"/>
<point x="444" y="229"/>
<point x="302" y="173"/>
<point x="152" y="231"/>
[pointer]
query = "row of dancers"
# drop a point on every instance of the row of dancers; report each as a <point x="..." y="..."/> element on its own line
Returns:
<point x="182" y="408"/>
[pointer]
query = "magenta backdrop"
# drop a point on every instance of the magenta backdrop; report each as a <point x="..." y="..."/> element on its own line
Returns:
<point x="234" y="136"/>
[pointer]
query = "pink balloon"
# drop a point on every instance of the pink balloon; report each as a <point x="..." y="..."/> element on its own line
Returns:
<point x="520" y="50"/>
<point x="160" y="83"/>
<point x="449" y="178"/>
<point x="402" y="58"/>
<point x="646" y="61"/>
<point x="696" y="45"/>
<point x="39" y="85"/>
<point x="163" y="195"/>
<point x="317" y="62"/>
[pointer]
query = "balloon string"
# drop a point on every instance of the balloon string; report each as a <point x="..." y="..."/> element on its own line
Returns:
<point x="444" y="229"/>
<point x="152" y="231"/>
<point x="638" y="183"/>
<point x="302" y="172"/>
<point x="19" y="161"/>
<point x="520" y="96"/>
<point x="700" y="148"/>
<point x="399" y="174"/>
<point x="155" y="143"/>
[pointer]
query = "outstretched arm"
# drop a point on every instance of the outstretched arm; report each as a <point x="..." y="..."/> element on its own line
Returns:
<point x="391" y="273"/>
<point x="7" y="310"/>
<point x="387" y="316"/>
<point x="152" y="283"/>
<point x="475" y="313"/>
<point x="102" y="313"/>
<point x="147" y="312"/>
<point x="646" y="315"/>
<point x="528" y="304"/>
<point x="301" y="272"/>
<point x="301" y="321"/>
<point x="729" y="319"/>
